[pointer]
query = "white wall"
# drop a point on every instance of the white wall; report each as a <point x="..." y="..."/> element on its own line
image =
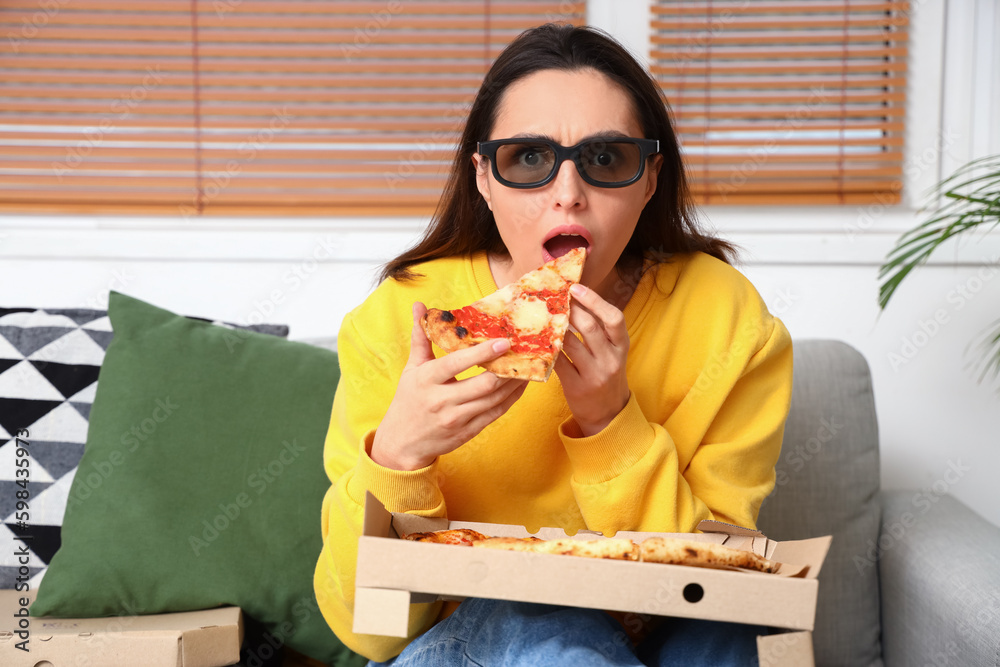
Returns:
<point x="816" y="267"/>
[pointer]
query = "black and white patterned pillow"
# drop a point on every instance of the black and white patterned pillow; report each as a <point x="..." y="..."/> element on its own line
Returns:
<point x="49" y="363"/>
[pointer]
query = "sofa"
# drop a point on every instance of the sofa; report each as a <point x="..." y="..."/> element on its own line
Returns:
<point x="912" y="577"/>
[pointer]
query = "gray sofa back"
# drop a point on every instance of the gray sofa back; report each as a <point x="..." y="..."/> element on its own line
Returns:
<point x="828" y="484"/>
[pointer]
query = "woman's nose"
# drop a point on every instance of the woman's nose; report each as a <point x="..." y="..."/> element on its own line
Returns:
<point x="568" y="186"/>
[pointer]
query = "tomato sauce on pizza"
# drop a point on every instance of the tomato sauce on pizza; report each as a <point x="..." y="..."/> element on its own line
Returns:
<point x="532" y="313"/>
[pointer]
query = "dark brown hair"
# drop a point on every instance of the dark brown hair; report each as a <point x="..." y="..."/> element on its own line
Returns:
<point x="463" y="223"/>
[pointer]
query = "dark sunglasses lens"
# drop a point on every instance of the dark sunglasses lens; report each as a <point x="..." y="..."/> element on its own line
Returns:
<point x="525" y="163"/>
<point x="611" y="161"/>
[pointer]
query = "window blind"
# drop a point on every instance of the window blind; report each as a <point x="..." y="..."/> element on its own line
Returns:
<point x="242" y="107"/>
<point x="786" y="101"/>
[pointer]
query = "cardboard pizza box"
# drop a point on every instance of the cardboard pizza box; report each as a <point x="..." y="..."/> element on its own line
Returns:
<point x="393" y="573"/>
<point x="207" y="638"/>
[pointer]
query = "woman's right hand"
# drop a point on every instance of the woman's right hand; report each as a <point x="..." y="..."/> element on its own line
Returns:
<point x="432" y="413"/>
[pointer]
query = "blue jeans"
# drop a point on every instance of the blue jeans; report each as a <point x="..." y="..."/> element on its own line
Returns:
<point x="488" y="633"/>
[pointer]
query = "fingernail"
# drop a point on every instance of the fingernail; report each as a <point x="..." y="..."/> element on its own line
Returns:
<point x="576" y="289"/>
<point x="501" y="345"/>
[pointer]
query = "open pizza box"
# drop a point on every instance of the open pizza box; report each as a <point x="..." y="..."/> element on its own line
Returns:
<point x="205" y="638"/>
<point x="393" y="573"/>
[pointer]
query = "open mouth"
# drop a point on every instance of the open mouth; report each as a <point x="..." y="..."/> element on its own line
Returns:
<point x="561" y="243"/>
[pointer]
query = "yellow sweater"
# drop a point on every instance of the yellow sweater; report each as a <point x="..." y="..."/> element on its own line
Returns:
<point x="710" y="372"/>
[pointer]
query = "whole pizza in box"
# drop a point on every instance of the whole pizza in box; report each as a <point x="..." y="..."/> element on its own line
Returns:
<point x="668" y="550"/>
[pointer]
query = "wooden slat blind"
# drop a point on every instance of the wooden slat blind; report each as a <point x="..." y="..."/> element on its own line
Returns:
<point x="261" y="107"/>
<point x="786" y="101"/>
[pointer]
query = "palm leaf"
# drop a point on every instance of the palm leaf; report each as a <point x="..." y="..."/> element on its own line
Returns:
<point x="988" y="364"/>
<point x="969" y="203"/>
<point x="969" y="200"/>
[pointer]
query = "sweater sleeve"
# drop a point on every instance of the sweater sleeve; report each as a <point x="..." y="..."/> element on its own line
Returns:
<point x="713" y="458"/>
<point x="366" y="387"/>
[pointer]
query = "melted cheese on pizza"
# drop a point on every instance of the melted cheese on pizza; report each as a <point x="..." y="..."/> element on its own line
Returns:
<point x="529" y="315"/>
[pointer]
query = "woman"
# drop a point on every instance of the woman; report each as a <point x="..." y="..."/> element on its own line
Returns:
<point x="667" y="409"/>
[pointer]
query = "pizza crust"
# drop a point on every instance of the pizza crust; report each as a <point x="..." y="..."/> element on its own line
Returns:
<point x="525" y="367"/>
<point x="677" y="551"/>
<point x="439" y="325"/>
<point x="461" y="536"/>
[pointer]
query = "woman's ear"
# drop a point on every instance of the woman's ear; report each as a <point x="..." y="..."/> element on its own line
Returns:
<point x="482" y="166"/>
<point x="652" y="174"/>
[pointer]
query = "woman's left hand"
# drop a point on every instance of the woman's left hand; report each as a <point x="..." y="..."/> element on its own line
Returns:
<point x="594" y="382"/>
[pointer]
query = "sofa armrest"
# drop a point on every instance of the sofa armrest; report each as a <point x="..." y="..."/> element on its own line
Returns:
<point x="939" y="574"/>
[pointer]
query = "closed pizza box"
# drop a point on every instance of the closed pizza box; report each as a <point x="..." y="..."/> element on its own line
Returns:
<point x="208" y="638"/>
<point x="393" y="573"/>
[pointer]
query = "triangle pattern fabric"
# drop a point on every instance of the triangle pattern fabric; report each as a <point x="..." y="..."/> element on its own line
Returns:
<point x="8" y="499"/>
<point x="102" y="338"/>
<point x="99" y="324"/>
<point x="29" y="535"/>
<point x="42" y="317"/>
<point x="7" y="362"/>
<point x="29" y="341"/>
<point x="76" y="347"/>
<point x="24" y="381"/>
<point x="62" y="423"/>
<point x="48" y="505"/>
<point x="83" y="408"/>
<point x="83" y="316"/>
<point x="58" y="458"/>
<point x="8" y="351"/>
<point x="54" y="360"/>
<point x="67" y="378"/>
<point x="9" y="468"/>
<point x="18" y="413"/>
<point x="43" y="542"/>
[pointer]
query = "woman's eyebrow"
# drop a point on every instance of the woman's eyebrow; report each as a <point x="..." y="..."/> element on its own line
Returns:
<point x="608" y="134"/>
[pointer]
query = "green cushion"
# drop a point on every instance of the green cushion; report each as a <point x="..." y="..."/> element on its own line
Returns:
<point x="202" y="479"/>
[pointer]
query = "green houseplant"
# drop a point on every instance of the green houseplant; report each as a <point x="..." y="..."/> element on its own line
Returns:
<point x="967" y="202"/>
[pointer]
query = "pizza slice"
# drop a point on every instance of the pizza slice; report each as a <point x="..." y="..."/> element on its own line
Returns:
<point x="531" y="312"/>
<point x="678" y="551"/>
<point x="609" y="548"/>
<point x="460" y="536"/>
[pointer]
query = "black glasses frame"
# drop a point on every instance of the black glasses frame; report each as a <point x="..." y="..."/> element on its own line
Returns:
<point x="647" y="147"/>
